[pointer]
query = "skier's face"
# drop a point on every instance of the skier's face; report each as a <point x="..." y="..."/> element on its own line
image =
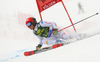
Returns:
<point x="31" y="27"/>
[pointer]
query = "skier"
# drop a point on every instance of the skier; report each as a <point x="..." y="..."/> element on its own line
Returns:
<point x="47" y="32"/>
<point x="81" y="10"/>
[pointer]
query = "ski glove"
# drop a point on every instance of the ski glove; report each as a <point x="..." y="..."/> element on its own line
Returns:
<point x="55" y="32"/>
<point x="38" y="47"/>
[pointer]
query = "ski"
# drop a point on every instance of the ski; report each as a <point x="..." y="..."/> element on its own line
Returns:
<point x="83" y="36"/>
<point x="28" y="53"/>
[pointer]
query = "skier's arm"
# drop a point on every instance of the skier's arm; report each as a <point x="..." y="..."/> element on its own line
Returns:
<point x="48" y="24"/>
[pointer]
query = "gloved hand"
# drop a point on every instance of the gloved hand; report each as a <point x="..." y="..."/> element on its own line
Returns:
<point x="55" y="31"/>
<point x="38" y="47"/>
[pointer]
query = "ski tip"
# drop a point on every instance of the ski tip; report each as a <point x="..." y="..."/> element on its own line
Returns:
<point x="28" y="53"/>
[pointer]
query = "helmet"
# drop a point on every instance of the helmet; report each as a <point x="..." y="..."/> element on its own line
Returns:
<point x="31" y="21"/>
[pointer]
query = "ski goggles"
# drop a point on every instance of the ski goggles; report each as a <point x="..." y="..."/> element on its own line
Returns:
<point x="28" y="24"/>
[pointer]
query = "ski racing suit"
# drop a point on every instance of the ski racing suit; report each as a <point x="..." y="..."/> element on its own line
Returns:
<point x="44" y="31"/>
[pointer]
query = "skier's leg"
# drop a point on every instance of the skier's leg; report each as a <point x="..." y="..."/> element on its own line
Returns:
<point x="52" y="40"/>
<point x="67" y="36"/>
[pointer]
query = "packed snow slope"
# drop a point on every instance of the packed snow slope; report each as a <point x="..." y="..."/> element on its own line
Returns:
<point x="86" y="50"/>
<point x="15" y="37"/>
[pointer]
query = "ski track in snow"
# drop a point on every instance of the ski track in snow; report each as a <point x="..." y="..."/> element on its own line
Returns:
<point x="13" y="55"/>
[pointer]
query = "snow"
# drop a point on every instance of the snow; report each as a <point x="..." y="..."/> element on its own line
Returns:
<point x="15" y="37"/>
<point x="81" y="51"/>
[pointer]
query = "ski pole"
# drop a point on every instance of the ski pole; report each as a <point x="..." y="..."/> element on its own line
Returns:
<point x="79" y="21"/>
